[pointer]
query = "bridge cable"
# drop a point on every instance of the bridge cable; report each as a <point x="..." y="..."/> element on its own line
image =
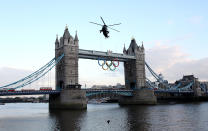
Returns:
<point x="31" y="75"/>
<point x="37" y="74"/>
<point x="41" y="75"/>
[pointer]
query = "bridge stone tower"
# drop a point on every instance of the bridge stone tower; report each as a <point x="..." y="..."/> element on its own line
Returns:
<point x="135" y="69"/>
<point x="67" y="68"/>
<point x="71" y="97"/>
<point x="135" y="76"/>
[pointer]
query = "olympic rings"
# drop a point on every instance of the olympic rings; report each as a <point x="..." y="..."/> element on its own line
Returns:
<point x="117" y="63"/>
<point x="105" y="68"/>
<point x="104" y="62"/>
<point x="108" y="64"/>
<point x="113" y="68"/>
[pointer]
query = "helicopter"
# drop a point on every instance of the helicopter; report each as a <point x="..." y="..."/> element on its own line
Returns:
<point x="105" y="28"/>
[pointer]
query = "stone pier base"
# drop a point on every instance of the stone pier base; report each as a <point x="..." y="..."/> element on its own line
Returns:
<point x="68" y="99"/>
<point x="141" y="96"/>
<point x="197" y="92"/>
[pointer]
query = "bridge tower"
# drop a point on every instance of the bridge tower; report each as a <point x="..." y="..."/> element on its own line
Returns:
<point x="67" y="68"/>
<point x="135" y="69"/>
<point x="71" y="96"/>
<point x="135" y="77"/>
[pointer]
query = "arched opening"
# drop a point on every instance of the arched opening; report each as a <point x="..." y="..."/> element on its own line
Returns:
<point x="132" y="85"/>
<point x="61" y="85"/>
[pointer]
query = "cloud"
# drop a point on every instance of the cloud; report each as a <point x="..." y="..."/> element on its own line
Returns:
<point x="162" y="57"/>
<point x="196" y="19"/>
<point x="197" y="67"/>
<point x="170" y="22"/>
<point x="170" y="41"/>
<point x="173" y="63"/>
<point x="8" y="75"/>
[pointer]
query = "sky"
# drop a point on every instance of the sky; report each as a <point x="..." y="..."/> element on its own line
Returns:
<point x="174" y="33"/>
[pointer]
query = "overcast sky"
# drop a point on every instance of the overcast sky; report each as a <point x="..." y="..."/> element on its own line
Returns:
<point x="174" y="34"/>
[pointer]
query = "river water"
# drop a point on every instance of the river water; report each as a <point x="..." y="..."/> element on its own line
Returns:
<point x="37" y="117"/>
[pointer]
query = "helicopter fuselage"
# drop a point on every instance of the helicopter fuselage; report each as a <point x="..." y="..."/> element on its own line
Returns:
<point x="105" y="31"/>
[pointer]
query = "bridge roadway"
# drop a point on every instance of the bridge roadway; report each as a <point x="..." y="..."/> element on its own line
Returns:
<point x="36" y="92"/>
<point x="91" y="54"/>
<point x="89" y="92"/>
<point x="174" y="91"/>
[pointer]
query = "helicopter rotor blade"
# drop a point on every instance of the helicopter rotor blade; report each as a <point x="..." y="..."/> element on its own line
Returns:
<point x="114" y="24"/>
<point x="113" y="29"/>
<point x="96" y="23"/>
<point x="102" y="20"/>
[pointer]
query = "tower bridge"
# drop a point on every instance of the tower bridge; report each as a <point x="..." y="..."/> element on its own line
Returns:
<point x="67" y="73"/>
<point x="69" y="95"/>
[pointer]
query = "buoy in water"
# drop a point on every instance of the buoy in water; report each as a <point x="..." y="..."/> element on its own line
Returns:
<point x="108" y="121"/>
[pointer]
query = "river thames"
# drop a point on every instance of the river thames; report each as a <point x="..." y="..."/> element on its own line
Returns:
<point x="37" y="117"/>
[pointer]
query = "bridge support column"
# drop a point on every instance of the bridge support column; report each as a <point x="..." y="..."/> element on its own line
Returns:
<point x="142" y="96"/>
<point x="68" y="99"/>
<point x="197" y="92"/>
<point x="196" y="88"/>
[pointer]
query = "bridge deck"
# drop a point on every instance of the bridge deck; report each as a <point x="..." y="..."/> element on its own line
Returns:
<point x="174" y="91"/>
<point x="38" y="92"/>
<point x="91" y="54"/>
<point x="89" y="92"/>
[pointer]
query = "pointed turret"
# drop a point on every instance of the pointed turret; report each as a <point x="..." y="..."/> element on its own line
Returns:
<point x="133" y="44"/>
<point x="124" y="49"/>
<point x="142" y="46"/>
<point x="66" y="33"/>
<point x="132" y="47"/>
<point x="76" y="37"/>
<point x="57" y="42"/>
<point x="76" y="40"/>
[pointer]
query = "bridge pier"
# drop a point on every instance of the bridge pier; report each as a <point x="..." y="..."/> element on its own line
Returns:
<point x="71" y="96"/>
<point x="196" y="88"/>
<point x="68" y="99"/>
<point x="197" y="92"/>
<point x="142" y="96"/>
